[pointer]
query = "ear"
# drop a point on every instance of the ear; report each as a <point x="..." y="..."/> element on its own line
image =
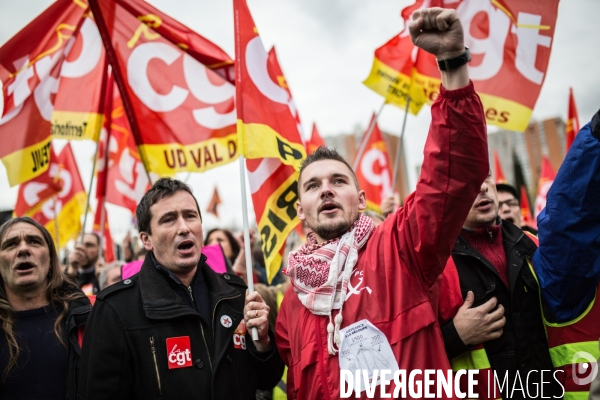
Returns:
<point x="145" y="238"/>
<point x="300" y="211"/>
<point x="362" y="200"/>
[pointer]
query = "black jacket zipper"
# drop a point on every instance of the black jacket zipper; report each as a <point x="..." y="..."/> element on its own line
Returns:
<point x="153" y="348"/>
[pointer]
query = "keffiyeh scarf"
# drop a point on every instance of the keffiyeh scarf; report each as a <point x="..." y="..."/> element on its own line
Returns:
<point x="320" y="273"/>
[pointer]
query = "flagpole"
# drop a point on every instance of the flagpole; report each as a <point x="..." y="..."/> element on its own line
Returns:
<point x="56" y="230"/>
<point x="89" y="193"/>
<point x="249" y="274"/>
<point x="102" y="222"/>
<point x="363" y="143"/>
<point x="399" y="149"/>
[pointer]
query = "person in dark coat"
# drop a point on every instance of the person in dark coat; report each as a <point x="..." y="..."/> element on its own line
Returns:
<point x="177" y="330"/>
<point x="42" y="316"/>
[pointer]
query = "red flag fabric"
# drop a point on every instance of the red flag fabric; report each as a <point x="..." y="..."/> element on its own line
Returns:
<point x="510" y="41"/>
<point x="499" y="174"/>
<point x="526" y="215"/>
<point x="572" y="121"/>
<point x="34" y="193"/>
<point x="267" y="125"/>
<point x="183" y="115"/>
<point x="30" y="68"/>
<point x="374" y="172"/>
<point x="108" y="246"/>
<point x="315" y="140"/>
<point x="126" y="177"/>
<point x="68" y="205"/>
<point x="214" y="203"/>
<point x="547" y="176"/>
<point x="79" y="100"/>
<point x="274" y="194"/>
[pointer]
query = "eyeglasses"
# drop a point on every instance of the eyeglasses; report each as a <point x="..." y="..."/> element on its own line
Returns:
<point x="509" y="202"/>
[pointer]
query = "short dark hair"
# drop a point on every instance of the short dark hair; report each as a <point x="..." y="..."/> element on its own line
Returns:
<point x="94" y="234"/>
<point x="164" y="187"/>
<point x="505" y="187"/>
<point x="324" y="153"/>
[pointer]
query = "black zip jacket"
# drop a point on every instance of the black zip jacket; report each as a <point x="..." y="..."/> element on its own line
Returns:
<point x="523" y="346"/>
<point x="77" y="315"/>
<point x="125" y="353"/>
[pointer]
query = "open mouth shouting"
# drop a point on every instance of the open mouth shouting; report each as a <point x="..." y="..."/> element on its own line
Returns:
<point x="25" y="267"/>
<point x="186" y="247"/>
<point x="329" y="207"/>
<point x="485" y="204"/>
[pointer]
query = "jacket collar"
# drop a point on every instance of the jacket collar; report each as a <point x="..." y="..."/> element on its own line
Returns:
<point x="161" y="302"/>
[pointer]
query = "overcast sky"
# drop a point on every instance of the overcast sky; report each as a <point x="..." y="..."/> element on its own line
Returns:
<point x="325" y="49"/>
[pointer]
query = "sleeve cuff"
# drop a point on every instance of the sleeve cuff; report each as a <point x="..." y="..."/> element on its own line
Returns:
<point x="458" y="93"/>
<point x="453" y="343"/>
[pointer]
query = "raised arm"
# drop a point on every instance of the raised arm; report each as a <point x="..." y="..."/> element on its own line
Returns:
<point x="455" y="157"/>
<point x="567" y="261"/>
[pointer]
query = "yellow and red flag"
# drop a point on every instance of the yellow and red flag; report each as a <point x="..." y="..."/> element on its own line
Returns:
<point x="373" y="171"/>
<point x="266" y="116"/>
<point x="526" y="216"/>
<point x="34" y="193"/>
<point x="572" y="121"/>
<point x="30" y="70"/>
<point x="78" y="104"/>
<point x="315" y="140"/>
<point x="547" y="176"/>
<point x="174" y="87"/>
<point x="498" y="173"/>
<point x="68" y="206"/>
<point x="510" y="41"/>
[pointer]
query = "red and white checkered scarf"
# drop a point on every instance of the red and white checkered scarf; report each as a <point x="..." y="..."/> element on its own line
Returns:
<point x="320" y="273"/>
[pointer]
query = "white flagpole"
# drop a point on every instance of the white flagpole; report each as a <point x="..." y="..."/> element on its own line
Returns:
<point x="247" y="250"/>
<point x="399" y="149"/>
<point x="89" y="193"/>
<point x="363" y="143"/>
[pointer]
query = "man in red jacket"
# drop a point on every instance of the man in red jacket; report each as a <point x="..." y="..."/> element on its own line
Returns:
<point x="362" y="296"/>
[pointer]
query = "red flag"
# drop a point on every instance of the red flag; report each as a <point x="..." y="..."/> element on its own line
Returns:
<point x="546" y="178"/>
<point x="108" y="247"/>
<point x="315" y="140"/>
<point x="126" y="177"/>
<point x="214" y="202"/>
<point x="79" y="100"/>
<point x="274" y="194"/>
<point x="182" y="112"/>
<point x="500" y="178"/>
<point x="267" y="125"/>
<point x="527" y="217"/>
<point x="30" y="68"/>
<point x="68" y="205"/>
<point x="373" y="171"/>
<point x="34" y="193"/>
<point x="510" y="41"/>
<point x="572" y="121"/>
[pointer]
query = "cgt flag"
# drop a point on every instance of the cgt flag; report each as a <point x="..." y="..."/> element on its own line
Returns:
<point x="546" y="178"/>
<point x="373" y="171"/>
<point x="315" y="140"/>
<point x="526" y="215"/>
<point x="108" y="246"/>
<point x="572" y="121"/>
<point x="174" y="87"/>
<point x="499" y="174"/>
<point x="266" y="116"/>
<point x="68" y="206"/>
<point x="510" y="41"/>
<point x="30" y="70"/>
<point x="34" y="193"/>
<point x="215" y="200"/>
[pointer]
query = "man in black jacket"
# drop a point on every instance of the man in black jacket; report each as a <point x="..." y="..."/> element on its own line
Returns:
<point x="41" y="316"/>
<point x="177" y="329"/>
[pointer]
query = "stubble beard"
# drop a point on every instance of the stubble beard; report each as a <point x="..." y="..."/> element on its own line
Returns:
<point x="329" y="231"/>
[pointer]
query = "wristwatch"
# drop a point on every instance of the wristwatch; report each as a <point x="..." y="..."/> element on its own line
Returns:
<point x="454" y="62"/>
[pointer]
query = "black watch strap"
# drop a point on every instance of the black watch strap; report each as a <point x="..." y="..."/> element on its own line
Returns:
<point x="454" y="62"/>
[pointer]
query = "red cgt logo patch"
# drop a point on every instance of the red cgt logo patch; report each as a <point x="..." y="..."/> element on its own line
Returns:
<point x="239" y="336"/>
<point x="179" y="352"/>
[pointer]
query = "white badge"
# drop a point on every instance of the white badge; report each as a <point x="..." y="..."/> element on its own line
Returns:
<point x="226" y="321"/>
<point x="365" y="348"/>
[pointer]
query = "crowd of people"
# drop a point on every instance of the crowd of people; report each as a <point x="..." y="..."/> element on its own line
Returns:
<point x="450" y="280"/>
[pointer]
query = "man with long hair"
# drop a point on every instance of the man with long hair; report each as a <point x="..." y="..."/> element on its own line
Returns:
<point x="41" y="313"/>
